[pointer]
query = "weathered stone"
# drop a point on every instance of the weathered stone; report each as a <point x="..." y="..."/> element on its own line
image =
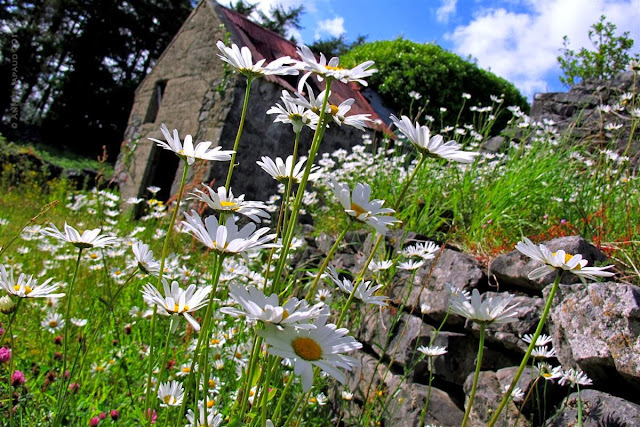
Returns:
<point x="401" y="401"/>
<point x="431" y="298"/>
<point x="488" y="396"/>
<point x="598" y="409"/>
<point x="597" y="327"/>
<point x="493" y="144"/>
<point x="512" y="269"/>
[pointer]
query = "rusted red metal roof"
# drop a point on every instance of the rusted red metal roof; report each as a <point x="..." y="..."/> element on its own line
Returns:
<point x="269" y="45"/>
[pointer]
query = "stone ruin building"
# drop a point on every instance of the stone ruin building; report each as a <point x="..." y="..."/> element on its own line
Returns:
<point x="191" y="90"/>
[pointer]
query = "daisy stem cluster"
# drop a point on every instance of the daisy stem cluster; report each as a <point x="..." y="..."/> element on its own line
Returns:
<point x="295" y="208"/>
<point x="67" y="321"/>
<point x="525" y="359"/>
<point x="165" y="252"/>
<point x="325" y="263"/>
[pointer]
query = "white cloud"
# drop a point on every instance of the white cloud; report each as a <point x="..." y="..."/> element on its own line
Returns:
<point x="445" y="11"/>
<point x="333" y="27"/>
<point x="522" y="46"/>
<point x="265" y="6"/>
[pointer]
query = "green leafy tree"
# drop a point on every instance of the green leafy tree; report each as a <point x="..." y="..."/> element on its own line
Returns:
<point x="609" y="56"/>
<point x="438" y="75"/>
<point x="243" y="7"/>
<point x="335" y="46"/>
<point x="280" y="19"/>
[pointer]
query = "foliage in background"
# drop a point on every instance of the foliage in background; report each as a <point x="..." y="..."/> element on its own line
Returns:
<point x="609" y="57"/>
<point x="336" y="46"/>
<point x="79" y="63"/>
<point x="438" y="75"/>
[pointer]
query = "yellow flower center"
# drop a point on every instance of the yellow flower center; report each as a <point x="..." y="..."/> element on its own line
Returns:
<point x="358" y="209"/>
<point x="176" y="308"/>
<point x="93" y="256"/>
<point x="329" y="67"/>
<point x="212" y="383"/>
<point x="307" y="348"/>
<point x="238" y="355"/>
<point x="53" y="323"/>
<point x="334" y="109"/>
<point x="99" y="368"/>
<point x="186" y="369"/>
<point x="313" y="400"/>
<point x="567" y="257"/>
<point x="546" y="374"/>
<point x="169" y="400"/>
<point x="210" y="403"/>
<point x="27" y="289"/>
<point x="215" y="341"/>
<point x="285" y="314"/>
<point x="229" y="205"/>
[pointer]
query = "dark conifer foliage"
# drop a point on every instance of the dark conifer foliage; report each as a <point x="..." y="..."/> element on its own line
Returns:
<point x="69" y="68"/>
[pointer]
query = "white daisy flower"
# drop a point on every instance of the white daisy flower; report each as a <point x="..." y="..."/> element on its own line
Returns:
<point x="559" y="261"/>
<point x="365" y="291"/>
<point x="322" y="347"/>
<point x="542" y="352"/>
<point x="227" y="239"/>
<point x="434" y="146"/>
<point x="281" y="170"/>
<point x="171" y="393"/>
<point x="26" y="286"/>
<point x="213" y="419"/>
<point x="574" y="377"/>
<point x="293" y="113"/>
<point x="224" y="201"/>
<point x="516" y="394"/>
<point x="241" y="60"/>
<point x="79" y="322"/>
<point x="176" y="300"/>
<point x="432" y="351"/>
<point x="144" y="258"/>
<point x="324" y="69"/>
<point x="358" y="205"/>
<point x="540" y="341"/>
<point x="88" y="238"/>
<point x="187" y="151"/>
<point x="256" y="306"/>
<point x="548" y="372"/>
<point x="410" y="265"/>
<point x="489" y="310"/>
<point x="376" y="266"/>
<point x="53" y="322"/>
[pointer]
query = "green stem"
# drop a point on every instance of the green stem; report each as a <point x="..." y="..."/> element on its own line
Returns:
<point x="475" y="376"/>
<point x="284" y="208"/>
<point x="165" y="249"/>
<point x="239" y="133"/>
<point x="67" y="320"/>
<point x="579" y="407"/>
<point x="523" y="364"/>
<point x="295" y="210"/>
<point x="326" y="261"/>
<point x="426" y="404"/>
<point x="164" y="362"/>
<point x="276" y="412"/>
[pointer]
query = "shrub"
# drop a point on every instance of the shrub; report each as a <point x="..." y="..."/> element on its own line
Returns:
<point x="438" y="75"/>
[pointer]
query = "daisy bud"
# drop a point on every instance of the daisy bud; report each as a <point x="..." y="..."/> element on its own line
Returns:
<point x="7" y="306"/>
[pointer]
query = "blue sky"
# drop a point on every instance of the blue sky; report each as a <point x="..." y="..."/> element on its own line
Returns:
<point x="516" y="39"/>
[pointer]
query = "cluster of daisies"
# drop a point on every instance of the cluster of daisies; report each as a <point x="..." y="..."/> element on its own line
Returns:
<point x="297" y="331"/>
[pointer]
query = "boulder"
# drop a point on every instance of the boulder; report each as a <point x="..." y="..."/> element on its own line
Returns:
<point x="598" y="409"/>
<point x="398" y="402"/>
<point x="429" y="294"/>
<point x="597" y="327"/>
